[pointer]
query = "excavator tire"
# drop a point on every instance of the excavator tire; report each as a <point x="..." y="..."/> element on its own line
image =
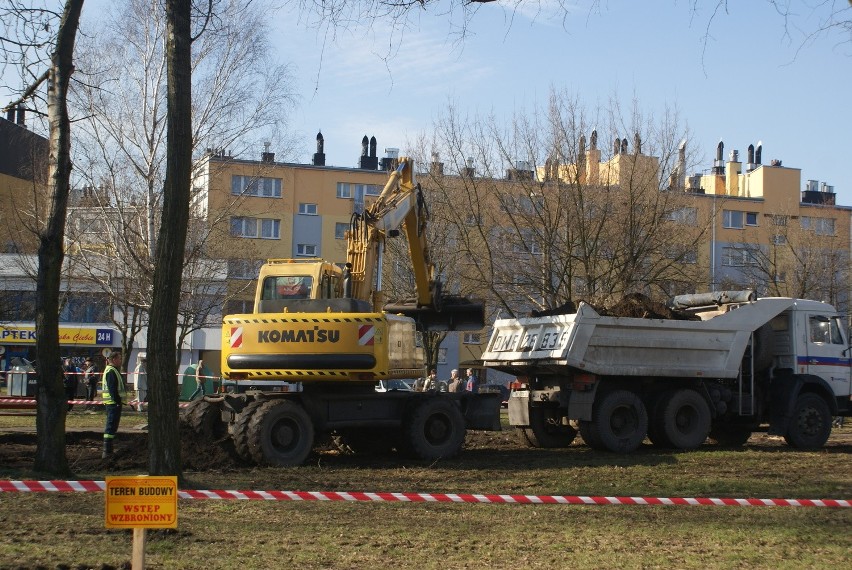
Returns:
<point x="619" y="421"/>
<point x="204" y="418"/>
<point x="239" y="431"/>
<point x="280" y="433"/>
<point x="435" y="429"/>
<point x="546" y="430"/>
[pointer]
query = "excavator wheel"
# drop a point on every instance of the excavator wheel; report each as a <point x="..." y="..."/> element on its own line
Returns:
<point x="435" y="429"/>
<point x="239" y="431"/>
<point x="204" y="418"/>
<point x="280" y="433"/>
<point x="546" y="430"/>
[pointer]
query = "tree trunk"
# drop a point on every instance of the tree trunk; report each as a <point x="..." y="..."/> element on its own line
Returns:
<point x="164" y="456"/>
<point x="51" y="411"/>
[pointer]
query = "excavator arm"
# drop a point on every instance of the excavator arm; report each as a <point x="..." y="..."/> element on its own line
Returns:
<point x="401" y="204"/>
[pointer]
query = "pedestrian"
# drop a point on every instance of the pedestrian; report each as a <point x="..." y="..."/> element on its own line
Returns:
<point x="456" y="384"/>
<point x="199" y="381"/>
<point x="140" y="374"/>
<point x="472" y="384"/>
<point x="114" y="396"/>
<point x="70" y="381"/>
<point x="90" y="380"/>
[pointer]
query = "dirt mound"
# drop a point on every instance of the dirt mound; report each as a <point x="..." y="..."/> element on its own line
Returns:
<point x="637" y="305"/>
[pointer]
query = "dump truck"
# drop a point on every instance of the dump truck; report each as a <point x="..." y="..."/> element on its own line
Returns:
<point x="741" y="364"/>
<point x="328" y="329"/>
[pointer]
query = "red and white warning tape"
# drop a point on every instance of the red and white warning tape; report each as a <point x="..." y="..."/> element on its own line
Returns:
<point x="94" y="486"/>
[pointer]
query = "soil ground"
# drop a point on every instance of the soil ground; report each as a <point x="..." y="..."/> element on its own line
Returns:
<point x="83" y="449"/>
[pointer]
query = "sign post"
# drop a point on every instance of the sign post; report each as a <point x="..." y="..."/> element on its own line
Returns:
<point x="139" y="503"/>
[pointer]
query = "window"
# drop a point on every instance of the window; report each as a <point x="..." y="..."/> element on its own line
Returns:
<point x="340" y="229"/>
<point x="472" y="338"/>
<point x="735" y="219"/>
<point x="779" y="239"/>
<point x="306" y="250"/>
<point x="344" y="190"/>
<point x="372" y="189"/>
<point x="270" y="229"/>
<point x="244" y="227"/>
<point x="239" y="306"/>
<point x="243" y="268"/>
<point x="738" y="256"/>
<point x="248" y="228"/>
<point x="442" y="356"/>
<point x="308" y="209"/>
<point x="825" y="330"/>
<point x="473" y="220"/>
<point x="255" y="186"/>
<point x="820" y="226"/>
<point x="687" y="216"/>
<point x="779" y="220"/>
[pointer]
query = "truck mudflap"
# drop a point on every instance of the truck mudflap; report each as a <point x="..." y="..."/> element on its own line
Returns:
<point x="482" y="412"/>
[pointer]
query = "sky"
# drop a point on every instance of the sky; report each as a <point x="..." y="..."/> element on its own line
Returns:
<point x="752" y="80"/>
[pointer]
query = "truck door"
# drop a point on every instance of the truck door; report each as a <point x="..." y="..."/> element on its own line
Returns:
<point x="827" y="356"/>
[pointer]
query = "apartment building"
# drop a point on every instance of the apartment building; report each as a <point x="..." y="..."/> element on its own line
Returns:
<point x="262" y="209"/>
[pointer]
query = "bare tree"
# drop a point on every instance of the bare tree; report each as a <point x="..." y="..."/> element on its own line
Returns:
<point x="544" y="214"/>
<point x="58" y="68"/>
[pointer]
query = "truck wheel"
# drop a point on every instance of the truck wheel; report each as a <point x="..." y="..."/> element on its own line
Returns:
<point x="204" y="418"/>
<point x="620" y="421"/>
<point x="239" y="431"/>
<point x="590" y="435"/>
<point x="730" y="436"/>
<point x="280" y="433"/>
<point x="435" y="429"/>
<point x="546" y="430"/>
<point x="682" y="419"/>
<point x="810" y="424"/>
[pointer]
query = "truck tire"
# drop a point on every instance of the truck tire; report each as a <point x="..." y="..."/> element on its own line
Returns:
<point x="546" y="430"/>
<point x="280" y="433"/>
<point x="239" y="431"/>
<point x="435" y="429"/>
<point x="204" y="418"/>
<point x="682" y="419"/>
<point x="810" y="424"/>
<point x="620" y="421"/>
<point x="589" y="433"/>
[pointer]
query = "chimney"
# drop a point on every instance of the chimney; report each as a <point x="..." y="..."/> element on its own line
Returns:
<point x="319" y="155"/>
<point x="390" y="160"/>
<point x="469" y="170"/>
<point x="10" y="114"/>
<point x="21" y="116"/>
<point x="369" y="162"/>
<point x="267" y="156"/>
<point x="750" y="163"/>
<point x="718" y="164"/>
<point x="436" y="167"/>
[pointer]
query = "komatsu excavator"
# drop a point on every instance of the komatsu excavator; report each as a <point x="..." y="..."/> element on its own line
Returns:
<point x="328" y="330"/>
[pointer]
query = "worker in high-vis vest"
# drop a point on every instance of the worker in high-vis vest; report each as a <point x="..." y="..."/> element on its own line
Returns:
<point x="114" y="396"/>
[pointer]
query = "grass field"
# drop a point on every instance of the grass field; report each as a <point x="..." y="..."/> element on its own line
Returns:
<point x="43" y="530"/>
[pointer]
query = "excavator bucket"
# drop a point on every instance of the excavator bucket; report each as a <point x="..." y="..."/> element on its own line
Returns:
<point x="455" y="314"/>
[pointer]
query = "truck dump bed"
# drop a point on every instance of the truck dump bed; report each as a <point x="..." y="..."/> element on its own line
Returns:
<point x="589" y="342"/>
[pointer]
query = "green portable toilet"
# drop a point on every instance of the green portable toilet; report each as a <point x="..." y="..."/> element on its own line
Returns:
<point x="189" y="385"/>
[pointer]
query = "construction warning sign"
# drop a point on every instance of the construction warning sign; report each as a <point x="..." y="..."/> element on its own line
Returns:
<point x="141" y="502"/>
